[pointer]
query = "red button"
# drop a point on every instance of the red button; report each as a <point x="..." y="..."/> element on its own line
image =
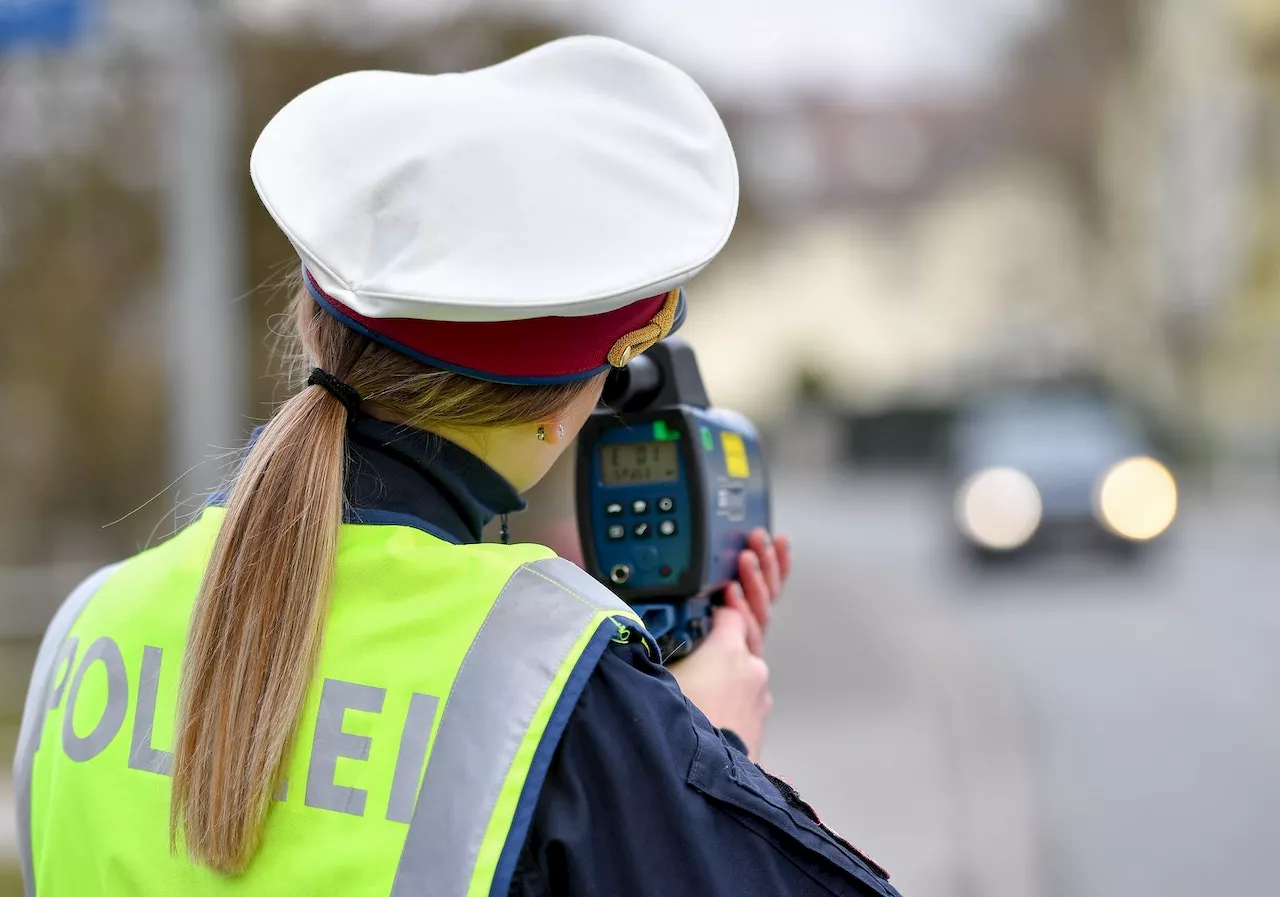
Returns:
<point x="665" y="570"/>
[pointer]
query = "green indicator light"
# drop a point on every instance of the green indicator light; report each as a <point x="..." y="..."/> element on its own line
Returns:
<point x="662" y="434"/>
<point x="707" y="442"/>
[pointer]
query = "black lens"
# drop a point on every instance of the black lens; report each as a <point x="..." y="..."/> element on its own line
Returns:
<point x="633" y="387"/>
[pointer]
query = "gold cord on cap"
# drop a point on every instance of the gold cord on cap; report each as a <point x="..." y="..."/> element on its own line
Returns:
<point x="637" y="341"/>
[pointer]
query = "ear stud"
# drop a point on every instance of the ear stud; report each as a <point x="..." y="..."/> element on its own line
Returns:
<point x="544" y="436"/>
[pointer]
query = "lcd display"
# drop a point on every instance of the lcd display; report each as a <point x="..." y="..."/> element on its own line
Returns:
<point x="639" y="462"/>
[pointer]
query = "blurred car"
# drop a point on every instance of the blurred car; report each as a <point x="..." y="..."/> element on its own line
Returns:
<point x="1052" y="470"/>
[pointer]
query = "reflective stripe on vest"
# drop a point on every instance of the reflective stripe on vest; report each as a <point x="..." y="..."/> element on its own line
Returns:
<point x="505" y="679"/>
<point x="41" y="695"/>
<point x="435" y="691"/>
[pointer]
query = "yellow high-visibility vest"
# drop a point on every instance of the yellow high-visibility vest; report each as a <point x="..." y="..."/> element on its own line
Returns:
<point x="446" y="676"/>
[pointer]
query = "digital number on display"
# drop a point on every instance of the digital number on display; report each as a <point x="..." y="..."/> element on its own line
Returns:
<point x="639" y="462"/>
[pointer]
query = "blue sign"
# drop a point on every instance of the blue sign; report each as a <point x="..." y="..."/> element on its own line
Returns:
<point x="40" y="23"/>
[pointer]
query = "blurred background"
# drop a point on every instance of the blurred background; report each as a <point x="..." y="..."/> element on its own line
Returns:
<point x="1004" y="299"/>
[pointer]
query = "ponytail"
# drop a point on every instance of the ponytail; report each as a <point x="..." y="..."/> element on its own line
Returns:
<point x="256" y="631"/>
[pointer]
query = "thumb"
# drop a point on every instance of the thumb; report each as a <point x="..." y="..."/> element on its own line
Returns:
<point x="728" y="628"/>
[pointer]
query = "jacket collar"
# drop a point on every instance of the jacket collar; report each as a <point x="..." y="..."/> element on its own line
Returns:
<point x="400" y="470"/>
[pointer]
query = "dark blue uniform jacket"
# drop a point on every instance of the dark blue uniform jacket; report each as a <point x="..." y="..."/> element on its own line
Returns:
<point x="641" y="795"/>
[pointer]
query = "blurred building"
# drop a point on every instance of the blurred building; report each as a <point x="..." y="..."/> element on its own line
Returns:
<point x="1113" y="209"/>
<point x="909" y="306"/>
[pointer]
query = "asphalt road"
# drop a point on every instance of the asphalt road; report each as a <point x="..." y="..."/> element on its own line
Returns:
<point x="1072" y="728"/>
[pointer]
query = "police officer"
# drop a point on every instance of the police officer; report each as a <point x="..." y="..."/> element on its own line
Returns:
<point x="327" y="684"/>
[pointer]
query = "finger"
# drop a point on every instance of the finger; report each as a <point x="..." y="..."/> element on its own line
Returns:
<point x="754" y="587"/>
<point x="727" y="625"/>
<point x="753" y="634"/>
<point x="782" y="545"/>
<point x="763" y="547"/>
<point x="735" y="600"/>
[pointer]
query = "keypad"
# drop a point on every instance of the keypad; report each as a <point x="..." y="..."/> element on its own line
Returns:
<point x="642" y="529"/>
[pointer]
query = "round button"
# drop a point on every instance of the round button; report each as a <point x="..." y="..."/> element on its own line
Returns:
<point x="646" y="557"/>
<point x="620" y="574"/>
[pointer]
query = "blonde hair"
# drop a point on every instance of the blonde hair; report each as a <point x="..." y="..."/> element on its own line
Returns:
<point x="259" y="619"/>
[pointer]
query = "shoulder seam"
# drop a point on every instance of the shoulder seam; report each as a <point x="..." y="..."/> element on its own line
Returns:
<point x="625" y="612"/>
<point x="528" y="565"/>
<point x="33" y="711"/>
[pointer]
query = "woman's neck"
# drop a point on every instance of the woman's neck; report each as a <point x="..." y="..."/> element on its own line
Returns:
<point x="506" y="449"/>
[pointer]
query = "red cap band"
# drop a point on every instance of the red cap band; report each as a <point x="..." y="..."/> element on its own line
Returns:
<point x="530" y="351"/>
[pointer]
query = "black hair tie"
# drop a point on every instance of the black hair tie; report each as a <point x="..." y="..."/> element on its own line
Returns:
<point x="342" y="391"/>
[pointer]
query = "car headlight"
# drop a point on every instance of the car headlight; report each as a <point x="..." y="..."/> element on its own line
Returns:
<point x="1137" y="499"/>
<point x="999" y="508"/>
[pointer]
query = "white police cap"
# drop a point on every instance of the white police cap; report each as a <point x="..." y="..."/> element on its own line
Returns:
<point x="574" y="180"/>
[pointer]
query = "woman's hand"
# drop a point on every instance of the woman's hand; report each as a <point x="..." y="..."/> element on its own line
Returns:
<point x="726" y="677"/>
<point x="763" y="568"/>
<point x="726" y="681"/>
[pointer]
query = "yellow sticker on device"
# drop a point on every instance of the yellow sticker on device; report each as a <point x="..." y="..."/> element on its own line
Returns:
<point x="735" y="456"/>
